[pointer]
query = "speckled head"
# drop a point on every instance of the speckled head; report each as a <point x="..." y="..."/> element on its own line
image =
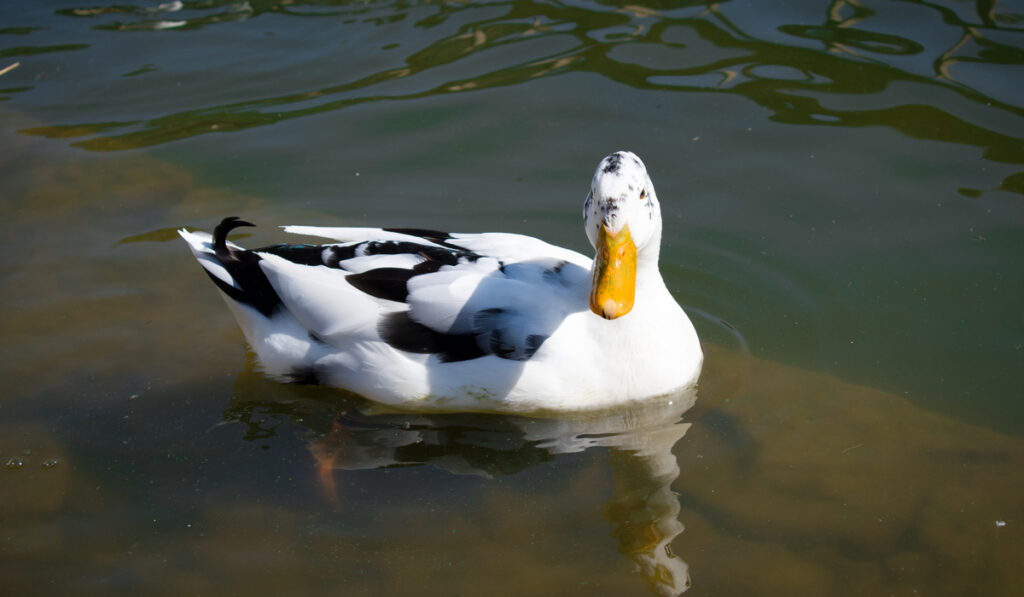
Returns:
<point x="621" y="193"/>
<point x="622" y="219"/>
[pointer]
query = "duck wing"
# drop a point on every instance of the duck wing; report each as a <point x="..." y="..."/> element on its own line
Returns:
<point x="455" y="296"/>
<point x="458" y="296"/>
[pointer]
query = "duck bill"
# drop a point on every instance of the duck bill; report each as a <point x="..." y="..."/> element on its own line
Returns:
<point x="614" y="286"/>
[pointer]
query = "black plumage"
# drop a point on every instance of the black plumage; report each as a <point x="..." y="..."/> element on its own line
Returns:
<point x="253" y="287"/>
<point x="401" y="332"/>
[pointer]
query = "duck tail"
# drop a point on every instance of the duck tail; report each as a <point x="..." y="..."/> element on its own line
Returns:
<point x="235" y="271"/>
<point x="220" y="238"/>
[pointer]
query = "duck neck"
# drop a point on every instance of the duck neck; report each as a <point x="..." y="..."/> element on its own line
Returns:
<point x="647" y="272"/>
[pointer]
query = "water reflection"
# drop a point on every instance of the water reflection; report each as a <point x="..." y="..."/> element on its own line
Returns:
<point x="803" y="66"/>
<point x="643" y="509"/>
<point x="163" y="16"/>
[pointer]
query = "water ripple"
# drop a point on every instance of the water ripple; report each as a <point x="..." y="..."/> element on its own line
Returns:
<point x="784" y="61"/>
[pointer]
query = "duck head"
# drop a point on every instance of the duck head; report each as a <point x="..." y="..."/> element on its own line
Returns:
<point x="623" y="222"/>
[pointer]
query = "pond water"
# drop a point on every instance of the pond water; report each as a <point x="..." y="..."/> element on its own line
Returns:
<point x="843" y="191"/>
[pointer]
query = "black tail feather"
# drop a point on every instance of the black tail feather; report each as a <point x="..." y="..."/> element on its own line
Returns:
<point x="220" y="237"/>
<point x="254" y="288"/>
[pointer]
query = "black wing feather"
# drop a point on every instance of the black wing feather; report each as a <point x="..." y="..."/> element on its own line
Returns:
<point x="401" y="332"/>
<point x="387" y="283"/>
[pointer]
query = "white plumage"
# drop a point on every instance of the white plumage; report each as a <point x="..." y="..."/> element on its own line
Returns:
<point x="482" y="322"/>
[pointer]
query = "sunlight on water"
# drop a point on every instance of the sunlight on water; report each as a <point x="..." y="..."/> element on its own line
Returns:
<point x="842" y="184"/>
<point x="646" y="53"/>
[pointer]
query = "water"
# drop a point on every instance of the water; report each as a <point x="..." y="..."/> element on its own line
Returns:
<point x="842" y="189"/>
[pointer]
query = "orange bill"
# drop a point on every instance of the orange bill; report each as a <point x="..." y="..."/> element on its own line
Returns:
<point x="614" y="285"/>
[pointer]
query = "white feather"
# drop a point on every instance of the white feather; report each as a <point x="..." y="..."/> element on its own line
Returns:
<point x="347" y="235"/>
<point x="321" y="300"/>
<point x="361" y="264"/>
<point x="202" y="248"/>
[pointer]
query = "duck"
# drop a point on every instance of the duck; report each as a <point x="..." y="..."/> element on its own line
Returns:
<point x="469" y="322"/>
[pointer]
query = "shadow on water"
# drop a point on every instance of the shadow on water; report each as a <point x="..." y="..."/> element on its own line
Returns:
<point x="353" y="435"/>
<point x="702" y="48"/>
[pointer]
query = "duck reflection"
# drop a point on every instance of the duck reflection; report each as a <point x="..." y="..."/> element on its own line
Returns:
<point x="643" y="510"/>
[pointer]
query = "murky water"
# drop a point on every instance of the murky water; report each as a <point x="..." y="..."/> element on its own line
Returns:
<point x="843" y="191"/>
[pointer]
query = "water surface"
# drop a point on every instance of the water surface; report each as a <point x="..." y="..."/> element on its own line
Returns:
<point x="843" y="192"/>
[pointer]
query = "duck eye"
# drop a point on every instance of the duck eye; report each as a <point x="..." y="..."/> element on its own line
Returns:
<point x="643" y="193"/>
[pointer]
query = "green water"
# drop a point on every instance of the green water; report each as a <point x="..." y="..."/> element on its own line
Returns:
<point x="843" y="192"/>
